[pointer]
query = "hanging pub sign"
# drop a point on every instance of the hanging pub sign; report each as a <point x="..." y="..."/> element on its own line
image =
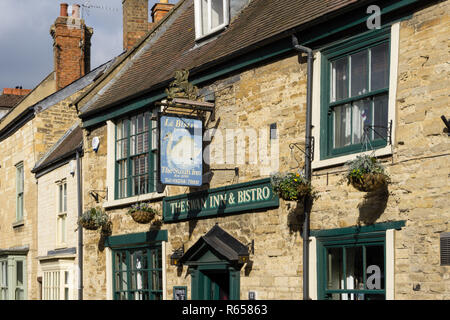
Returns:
<point x="181" y="155"/>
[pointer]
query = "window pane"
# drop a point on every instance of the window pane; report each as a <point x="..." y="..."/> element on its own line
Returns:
<point x="362" y="116"/>
<point x="380" y="66"/>
<point x="122" y="149"/>
<point x="19" y="206"/>
<point x="217" y="17"/>
<point x="359" y="72"/>
<point x="354" y="270"/>
<point x="204" y="16"/>
<point x="60" y="200"/>
<point x="335" y="268"/>
<point x="381" y="116"/>
<point x="140" y="123"/>
<point x="375" y="267"/>
<point x="120" y="130"/>
<point x="63" y="228"/>
<point x="65" y="197"/>
<point x="339" y="79"/>
<point x="342" y="126"/>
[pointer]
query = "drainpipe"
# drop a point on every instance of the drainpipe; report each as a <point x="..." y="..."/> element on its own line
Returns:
<point x="308" y="200"/>
<point x="80" y="229"/>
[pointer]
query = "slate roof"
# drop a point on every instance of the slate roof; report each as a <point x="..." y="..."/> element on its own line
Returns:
<point x="9" y="100"/>
<point x="176" y="48"/>
<point x="220" y="241"/>
<point x="63" y="148"/>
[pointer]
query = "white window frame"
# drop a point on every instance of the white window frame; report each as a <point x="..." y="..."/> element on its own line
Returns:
<point x="53" y="281"/>
<point x="20" y="186"/>
<point x="199" y="20"/>
<point x="316" y="107"/>
<point x="61" y="213"/>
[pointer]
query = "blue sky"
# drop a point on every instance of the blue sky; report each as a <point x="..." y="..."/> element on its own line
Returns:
<point x="26" y="54"/>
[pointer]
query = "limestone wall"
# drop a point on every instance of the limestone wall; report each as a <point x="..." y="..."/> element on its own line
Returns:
<point x="275" y="93"/>
<point x="48" y="193"/>
<point x="28" y="144"/>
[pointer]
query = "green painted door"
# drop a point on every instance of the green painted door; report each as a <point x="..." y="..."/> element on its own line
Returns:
<point x="215" y="284"/>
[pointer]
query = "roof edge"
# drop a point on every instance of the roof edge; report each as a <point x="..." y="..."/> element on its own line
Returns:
<point x="127" y="54"/>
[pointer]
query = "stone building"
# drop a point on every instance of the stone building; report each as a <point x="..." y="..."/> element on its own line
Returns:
<point x="379" y="64"/>
<point x="57" y="214"/>
<point x="27" y="132"/>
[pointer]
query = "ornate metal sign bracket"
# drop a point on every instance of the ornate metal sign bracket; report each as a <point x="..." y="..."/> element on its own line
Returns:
<point x="296" y="145"/>
<point x="182" y="95"/>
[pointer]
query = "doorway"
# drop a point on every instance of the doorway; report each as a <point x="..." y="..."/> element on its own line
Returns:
<point x="217" y="285"/>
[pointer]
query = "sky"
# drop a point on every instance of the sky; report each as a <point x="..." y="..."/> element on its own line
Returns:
<point x="26" y="47"/>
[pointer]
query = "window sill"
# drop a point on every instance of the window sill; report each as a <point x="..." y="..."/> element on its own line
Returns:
<point x="210" y="34"/>
<point x="131" y="200"/>
<point x="337" y="161"/>
<point x="19" y="223"/>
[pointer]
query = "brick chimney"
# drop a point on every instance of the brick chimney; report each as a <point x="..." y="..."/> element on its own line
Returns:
<point x="159" y="10"/>
<point x="17" y="91"/>
<point x="135" y="19"/>
<point x="71" y="46"/>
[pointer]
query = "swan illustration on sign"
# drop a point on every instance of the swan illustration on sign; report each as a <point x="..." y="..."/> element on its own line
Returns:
<point x="181" y="151"/>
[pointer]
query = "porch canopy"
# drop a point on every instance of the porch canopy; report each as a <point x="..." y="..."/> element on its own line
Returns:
<point x="216" y="245"/>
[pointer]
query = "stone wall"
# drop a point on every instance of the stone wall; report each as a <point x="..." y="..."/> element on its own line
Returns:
<point x="47" y="229"/>
<point x="28" y="144"/>
<point x="275" y="93"/>
<point x="418" y="168"/>
<point x="15" y="149"/>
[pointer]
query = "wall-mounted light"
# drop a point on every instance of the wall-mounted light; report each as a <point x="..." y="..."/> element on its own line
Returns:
<point x="176" y="256"/>
<point x="244" y="256"/>
<point x="95" y="144"/>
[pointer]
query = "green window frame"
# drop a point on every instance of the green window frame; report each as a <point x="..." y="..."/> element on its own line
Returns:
<point x="137" y="273"/>
<point x="355" y="94"/>
<point x="19" y="191"/>
<point x="345" y="241"/>
<point x="13" y="278"/>
<point x="135" y="155"/>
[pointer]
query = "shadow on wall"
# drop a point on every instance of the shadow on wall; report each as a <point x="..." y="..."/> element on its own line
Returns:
<point x="373" y="205"/>
<point x="105" y="232"/>
<point x="295" y="217"/>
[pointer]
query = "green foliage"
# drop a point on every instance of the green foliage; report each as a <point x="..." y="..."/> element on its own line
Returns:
<point x="291" y="186"/>
<point x="362" y="165"/>
<point x="142" y="206"/>
<point x="93" y="218"/>
<point x="365" y="173"/>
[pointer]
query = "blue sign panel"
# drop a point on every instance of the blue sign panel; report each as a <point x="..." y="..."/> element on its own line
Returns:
<point x="181" y="151"/>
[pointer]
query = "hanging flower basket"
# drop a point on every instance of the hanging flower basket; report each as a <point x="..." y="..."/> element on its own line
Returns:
<point x="93" y="219"/>
<point x="291" y="186"/>
<point x="142" y="213"/>
<point x="369" y="182"/>
<point x="366" y="174"/>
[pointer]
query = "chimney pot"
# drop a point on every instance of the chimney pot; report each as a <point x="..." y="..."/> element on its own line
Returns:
<point x="63" y="11"/>
<point x="76" y="11"/>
